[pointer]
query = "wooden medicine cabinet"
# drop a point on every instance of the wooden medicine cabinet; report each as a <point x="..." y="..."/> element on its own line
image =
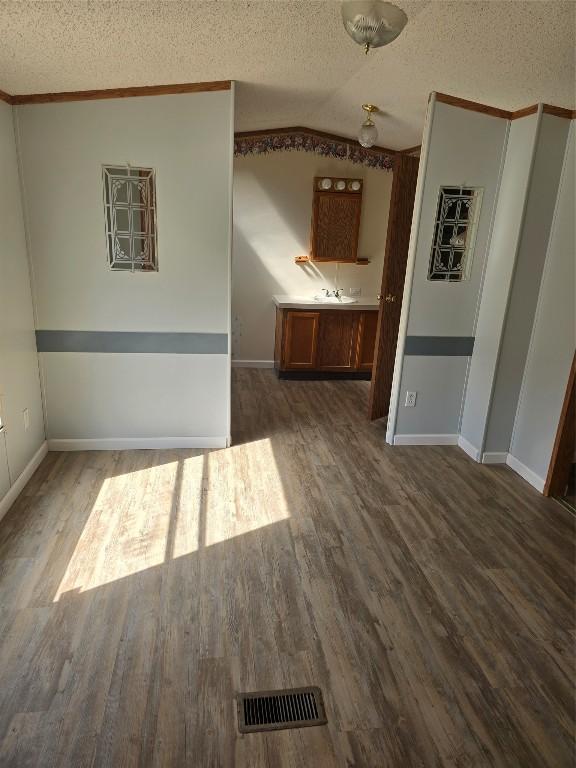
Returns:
<point x="336" y="209"/>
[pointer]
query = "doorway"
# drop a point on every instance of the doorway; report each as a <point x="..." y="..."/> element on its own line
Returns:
<point x="561" y="478"/>
<point x="392" y="288"/>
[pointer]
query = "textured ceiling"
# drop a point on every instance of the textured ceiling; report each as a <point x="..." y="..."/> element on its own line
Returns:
<point x="293" y="61"/>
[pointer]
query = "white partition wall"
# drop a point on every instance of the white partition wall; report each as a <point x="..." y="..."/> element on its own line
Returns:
<point x="4" y="470"/>
<point x="552" y="342"/>
<point x="132" y="359"/>
<point x="481" y="354"/>
<point x="439" y="318"/>
<point x="22" y="442"/>
<point x="507" y="230"/>
<point x="521" y="231"/>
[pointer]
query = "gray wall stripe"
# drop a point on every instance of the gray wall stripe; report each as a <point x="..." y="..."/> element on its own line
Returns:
<point x="207" y="343"/>
<point x="451" y="346"/>
<point x="132" y="341"/>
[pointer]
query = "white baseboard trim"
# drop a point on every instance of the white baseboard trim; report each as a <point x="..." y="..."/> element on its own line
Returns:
<point x="494" y="457"/>
<point x="531" y="477"/>
<point x="490" y="457"/>
<point x="134" y="443"/>
<point x="425" y="439"/>
<point x="252" y="363"/>
<point x="18" y="485"/>
<point x="468" y="448"/>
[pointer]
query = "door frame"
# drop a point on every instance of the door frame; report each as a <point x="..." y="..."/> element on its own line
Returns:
<point x="402" y="203"/>
<point x="563" y="450"/>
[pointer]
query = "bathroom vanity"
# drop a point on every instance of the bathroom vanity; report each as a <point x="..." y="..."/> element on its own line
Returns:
<point x="324" y="339"/>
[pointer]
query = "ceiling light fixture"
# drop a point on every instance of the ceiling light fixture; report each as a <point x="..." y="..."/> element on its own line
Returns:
<point x="368" y="134"/>
<point x="372" y="23"/>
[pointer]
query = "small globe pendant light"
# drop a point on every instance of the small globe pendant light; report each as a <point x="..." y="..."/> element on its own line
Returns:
<point x="368" y="134"/>
<point x="372" y="23"/>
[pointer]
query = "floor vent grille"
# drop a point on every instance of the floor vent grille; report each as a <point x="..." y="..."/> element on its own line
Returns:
<point x="276" y="710"/>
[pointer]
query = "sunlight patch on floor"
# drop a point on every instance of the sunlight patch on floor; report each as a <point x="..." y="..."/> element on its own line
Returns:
<point x="244" y="491"/>
<point x="147" y="517"/>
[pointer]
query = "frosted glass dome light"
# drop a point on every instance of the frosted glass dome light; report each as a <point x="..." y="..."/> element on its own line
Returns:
<point x="368" y="133"/>
<point x="372" y="23"/>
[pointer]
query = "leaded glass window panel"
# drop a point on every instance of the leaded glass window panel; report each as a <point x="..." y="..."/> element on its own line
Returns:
<point x="454" y="233"/>
<point x="130" y="209"/>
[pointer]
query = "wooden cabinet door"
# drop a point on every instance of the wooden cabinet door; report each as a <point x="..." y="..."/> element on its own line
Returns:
<point x="366" y="340"/>
<point x="335" y="227"/>
<point x="337" y="340"/>
<point x="300" y="340"/>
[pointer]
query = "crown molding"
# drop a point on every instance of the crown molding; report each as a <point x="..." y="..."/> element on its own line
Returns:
<point x="547" y="109"/>
<point x="550" y="109"/>
<point x="476" y="106"/>
<point x="524" y="112"/>
<point x="225" y="85"/>
<point x="118" y="93"/>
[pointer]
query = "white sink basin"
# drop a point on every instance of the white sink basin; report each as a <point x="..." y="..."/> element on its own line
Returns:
<point x="334" y="300"/>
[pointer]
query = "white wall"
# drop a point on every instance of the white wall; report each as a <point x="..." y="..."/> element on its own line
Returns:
<point x="4" y="470"/>
<point x="141" y="396"/>
<point x="507" y="230"/>
<point x="465" y="148"/>
<point x="549" y="155"/>
<point x="439" y="382"/>
<point x="504" y="405"/>
<point x="525" y="327"/>
<point x="553" y="338"/>
<point x="462" y="147"/>
<point x="19" y="380"/>
<point x="272" y="213"/>
<point x="187" y="139"/>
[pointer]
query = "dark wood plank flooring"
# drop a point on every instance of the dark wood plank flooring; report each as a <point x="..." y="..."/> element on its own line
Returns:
<point x="430" y="597"/>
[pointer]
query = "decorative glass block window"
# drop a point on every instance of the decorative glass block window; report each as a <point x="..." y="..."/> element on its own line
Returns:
<point x="454" y="233"/>
<point x="130" y="209"/>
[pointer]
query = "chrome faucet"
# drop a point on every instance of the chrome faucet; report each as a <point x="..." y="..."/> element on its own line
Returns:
<point x="337" y="293"/>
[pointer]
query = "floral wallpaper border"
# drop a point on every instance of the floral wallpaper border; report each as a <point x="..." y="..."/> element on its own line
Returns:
<point x="301" y="140"/>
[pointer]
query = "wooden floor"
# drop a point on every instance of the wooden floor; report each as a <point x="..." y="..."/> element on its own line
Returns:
<point x="430" y="597"/>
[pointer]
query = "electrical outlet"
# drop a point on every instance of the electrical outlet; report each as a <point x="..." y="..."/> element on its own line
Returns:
<point x="410" y="400"/>
<point x="26" y="418"/>
<point x="355" y="292"/>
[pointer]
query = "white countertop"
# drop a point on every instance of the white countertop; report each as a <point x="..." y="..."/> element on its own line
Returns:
<point x="307" y="302"/>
